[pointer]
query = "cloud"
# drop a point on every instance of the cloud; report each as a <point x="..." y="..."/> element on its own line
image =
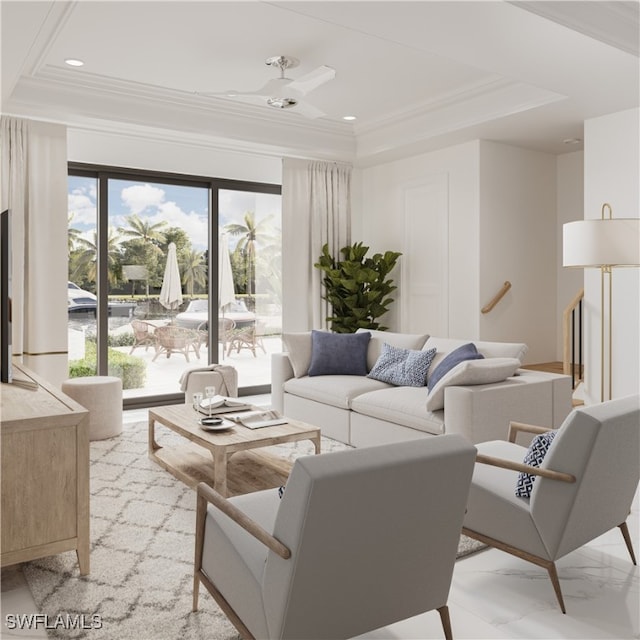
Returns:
<point x="193" y="224"/>
<point x="82" y="209"/>
<point x="139" y="197"/>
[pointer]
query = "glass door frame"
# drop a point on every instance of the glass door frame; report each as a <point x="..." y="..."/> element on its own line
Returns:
<point x="102" y="174"/>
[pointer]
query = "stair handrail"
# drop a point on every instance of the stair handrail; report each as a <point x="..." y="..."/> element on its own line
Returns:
<point x="569" y="338"/>
<point x="505" y="287"/>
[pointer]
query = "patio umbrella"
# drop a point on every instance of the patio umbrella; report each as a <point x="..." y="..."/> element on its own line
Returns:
<point x="226" y="288"/>
<point x="171" y="292"/>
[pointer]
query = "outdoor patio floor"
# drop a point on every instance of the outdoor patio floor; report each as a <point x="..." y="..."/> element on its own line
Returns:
<point x="163" y="374"/>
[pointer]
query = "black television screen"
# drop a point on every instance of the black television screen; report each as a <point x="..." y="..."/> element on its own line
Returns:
<point x="5" y="296"/>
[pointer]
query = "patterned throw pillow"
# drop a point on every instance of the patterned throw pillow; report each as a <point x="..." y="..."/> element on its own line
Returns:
<point x="535" y="455"/>
<point x="402" y="367"/>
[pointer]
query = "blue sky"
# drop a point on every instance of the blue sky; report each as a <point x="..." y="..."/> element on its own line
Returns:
<point x="184" y="207"/>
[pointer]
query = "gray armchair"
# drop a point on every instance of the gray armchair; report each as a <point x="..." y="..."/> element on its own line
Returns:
<point x="360" y="539"/>
<point x="583" y="488"/>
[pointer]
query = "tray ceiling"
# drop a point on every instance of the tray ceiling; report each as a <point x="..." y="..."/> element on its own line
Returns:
<point x="417" y="75"/>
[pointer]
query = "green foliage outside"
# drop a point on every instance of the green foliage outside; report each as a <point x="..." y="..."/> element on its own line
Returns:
<point x="357" y="287"/>
<point x="256" y="258"/>
<point x="130" y="369"/>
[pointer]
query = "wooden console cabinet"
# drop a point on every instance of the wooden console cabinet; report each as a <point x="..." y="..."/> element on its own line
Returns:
<point x="45" y="473"/>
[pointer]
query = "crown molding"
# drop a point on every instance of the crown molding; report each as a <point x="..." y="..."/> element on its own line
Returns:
<point x="81" y="81"/>
<point x="615" y="23"/>
<point x="493" y="100"/>
<point x="88" y="103"/>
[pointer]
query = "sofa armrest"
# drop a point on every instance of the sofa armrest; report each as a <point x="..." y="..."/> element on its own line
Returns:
<point x="484" y="412"/>
<point x="281" y="371"/>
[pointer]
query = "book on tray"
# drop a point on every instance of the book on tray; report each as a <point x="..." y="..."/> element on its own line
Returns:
<point x="222" y="404"/>
<point x="257" y="419"/>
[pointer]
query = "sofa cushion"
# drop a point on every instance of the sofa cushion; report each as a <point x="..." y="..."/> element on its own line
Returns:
<point x="337" y="391"/>
<point x="340" y="354"/>
<point x="298" y="347"/>
<point x="400" y="340"/>
<point x="464" y="352"/>
<point x="402" y="367"/>
<point x="487" y="349"/>
<point x="401" y="405"/>
<point x="472" y="372"/>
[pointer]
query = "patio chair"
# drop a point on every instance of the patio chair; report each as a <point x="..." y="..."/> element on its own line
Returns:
<point x="174" y="339"/>
<point x="246" y="337"/>
<point x="359" y="540"/>
<point x="583" y="486"/>
<point x="226" y="327"/>
<point x="143" y="335"/>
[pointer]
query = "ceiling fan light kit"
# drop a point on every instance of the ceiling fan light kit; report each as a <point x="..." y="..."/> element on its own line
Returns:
<point x="282" y="103"/>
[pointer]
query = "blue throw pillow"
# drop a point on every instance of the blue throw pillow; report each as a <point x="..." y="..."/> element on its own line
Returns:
<point x="535" y="455"/>
<point x="465" y="352"/>
<point x="338" y="353"/>
<point x="402" y="367"/>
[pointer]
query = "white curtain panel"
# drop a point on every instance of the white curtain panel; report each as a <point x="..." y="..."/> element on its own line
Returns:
<point x="316" y="209"/>
<point x="34" y="188"/>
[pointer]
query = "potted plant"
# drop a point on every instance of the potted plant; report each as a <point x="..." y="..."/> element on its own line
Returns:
<point x="357" y="287"/>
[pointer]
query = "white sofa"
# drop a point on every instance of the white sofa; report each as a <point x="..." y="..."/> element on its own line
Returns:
<point x="361" y="411"/>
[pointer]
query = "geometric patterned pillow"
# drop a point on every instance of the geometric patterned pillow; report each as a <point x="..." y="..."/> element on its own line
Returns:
<point x="534" y="457"/>
<point x="402" y="367"/>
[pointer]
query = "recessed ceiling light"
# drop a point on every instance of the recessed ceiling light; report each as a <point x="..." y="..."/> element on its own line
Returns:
<point x="349" y="117"/>
<point x="74" y="62"/>
<point x="572" y="140"/>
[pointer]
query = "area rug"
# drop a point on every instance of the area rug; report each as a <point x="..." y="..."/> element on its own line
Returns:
<point x="142" y="546"/>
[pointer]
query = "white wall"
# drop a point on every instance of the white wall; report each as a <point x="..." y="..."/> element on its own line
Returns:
<point x="170" y="153"/>
<point x="427" y="208"/>
<point x="494" y="206"/>
<point x="518" y="244"/>
<point x="612" y="170"/>
<point x="570" y="207"/>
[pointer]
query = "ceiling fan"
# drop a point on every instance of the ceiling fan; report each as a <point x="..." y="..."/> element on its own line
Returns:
<point x="283" y="92"/>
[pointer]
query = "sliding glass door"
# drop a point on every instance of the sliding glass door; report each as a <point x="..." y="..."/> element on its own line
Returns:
<point x="172" y="273"/>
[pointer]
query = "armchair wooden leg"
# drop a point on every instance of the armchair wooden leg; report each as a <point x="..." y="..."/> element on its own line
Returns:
<point x="553" y="574"/>
<point x="201" y="512"/>
<point x="446" y="622"/>
<point x="627" y="538"/>
<point x="529" y="557"/>
<point x="196" y="591"/>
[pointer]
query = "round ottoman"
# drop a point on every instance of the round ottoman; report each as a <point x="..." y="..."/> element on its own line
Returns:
<point x="102" y="397"/>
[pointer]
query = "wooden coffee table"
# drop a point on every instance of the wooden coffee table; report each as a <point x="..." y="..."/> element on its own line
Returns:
<point x="206" y="457"/>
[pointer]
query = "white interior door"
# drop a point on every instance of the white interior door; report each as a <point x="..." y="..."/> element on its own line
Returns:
<point x="425" y="260"/>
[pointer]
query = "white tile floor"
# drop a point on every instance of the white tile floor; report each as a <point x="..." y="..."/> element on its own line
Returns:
<point x="494" y="595"/>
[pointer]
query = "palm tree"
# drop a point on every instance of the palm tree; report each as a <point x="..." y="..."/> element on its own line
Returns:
<point x="73" y="235"/>
<point x="87" y="258"/>
<point x="143" y="229"/>
<point x="252" y="234"/>
<point x="194" y="270"/>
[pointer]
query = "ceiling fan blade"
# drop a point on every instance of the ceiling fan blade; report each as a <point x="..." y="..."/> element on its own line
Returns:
<point x="308" y="110"/>
<point x="312" y="80"/>
<point x="273" y="87"/>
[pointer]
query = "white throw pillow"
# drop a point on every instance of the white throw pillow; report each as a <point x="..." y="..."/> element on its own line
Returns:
<point x="472" y="372"/>
<point x="413" y="342"/>
<point x="298" y="347"/>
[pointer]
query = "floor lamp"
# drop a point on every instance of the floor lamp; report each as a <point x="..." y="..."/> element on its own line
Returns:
<point x="604" y="244"/>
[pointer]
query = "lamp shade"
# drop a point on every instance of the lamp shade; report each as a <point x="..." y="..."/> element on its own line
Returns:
<point x="613" y="242"/>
